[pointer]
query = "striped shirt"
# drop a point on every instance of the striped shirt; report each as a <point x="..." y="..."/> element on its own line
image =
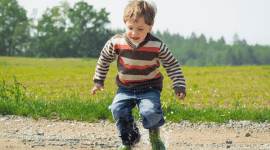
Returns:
<point x="138" y="66"/>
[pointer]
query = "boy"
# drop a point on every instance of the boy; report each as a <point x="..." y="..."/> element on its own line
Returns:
<point x="139" y="80"/>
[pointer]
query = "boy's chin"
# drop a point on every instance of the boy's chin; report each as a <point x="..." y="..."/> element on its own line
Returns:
<point x="136" y="41"/>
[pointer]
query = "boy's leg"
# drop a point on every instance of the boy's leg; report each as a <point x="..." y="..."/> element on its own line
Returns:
<point x="121" y="109"/>
<point x="150" y="109"/>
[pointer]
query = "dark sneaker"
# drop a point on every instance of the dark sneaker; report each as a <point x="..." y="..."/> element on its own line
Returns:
<point x="132" y="138"/>
<point x="135" y="139"/>
<point x="134" y="135"/>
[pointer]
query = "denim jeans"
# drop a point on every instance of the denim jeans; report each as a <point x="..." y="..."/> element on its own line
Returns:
<point x="148" y="102"/>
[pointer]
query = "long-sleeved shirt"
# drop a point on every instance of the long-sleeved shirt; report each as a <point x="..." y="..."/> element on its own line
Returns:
<point x="138" y="66"/>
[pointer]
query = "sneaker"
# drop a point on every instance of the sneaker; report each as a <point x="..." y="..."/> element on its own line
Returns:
<point x="133" y="137"/>
<point x="126" y="147"/>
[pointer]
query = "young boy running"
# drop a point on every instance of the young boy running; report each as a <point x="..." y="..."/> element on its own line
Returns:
<point x="139" y="80"/>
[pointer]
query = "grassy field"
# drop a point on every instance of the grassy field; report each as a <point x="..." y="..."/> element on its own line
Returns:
<point x="62" y="88"/>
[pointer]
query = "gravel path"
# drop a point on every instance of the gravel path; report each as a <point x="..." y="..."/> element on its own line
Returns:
<point x="17" y="132"/>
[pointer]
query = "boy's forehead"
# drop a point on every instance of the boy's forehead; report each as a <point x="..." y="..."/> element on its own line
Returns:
<point x="140" y="21"/>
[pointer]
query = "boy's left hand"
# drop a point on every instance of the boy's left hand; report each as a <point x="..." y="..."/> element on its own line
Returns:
<point x="181" y="96"/>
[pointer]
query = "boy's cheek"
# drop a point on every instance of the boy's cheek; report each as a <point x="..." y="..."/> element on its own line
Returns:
<point x="129" y="33"/>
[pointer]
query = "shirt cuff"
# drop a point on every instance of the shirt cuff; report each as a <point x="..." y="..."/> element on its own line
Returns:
<point x="99" y="82"/>
<point x="178" y="90"/>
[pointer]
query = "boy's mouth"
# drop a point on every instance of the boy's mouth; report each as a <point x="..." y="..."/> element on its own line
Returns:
<point x="135" y="38"/>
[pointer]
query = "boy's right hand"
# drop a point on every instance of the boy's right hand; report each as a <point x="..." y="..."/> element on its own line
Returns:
<point x="96" y="88"/>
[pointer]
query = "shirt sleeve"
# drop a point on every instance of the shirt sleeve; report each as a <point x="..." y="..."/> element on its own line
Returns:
<point x="173" y="69"/>
<point x="106" y="57"/>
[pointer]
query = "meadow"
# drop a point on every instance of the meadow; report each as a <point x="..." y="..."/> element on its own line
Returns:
<point x="61" y="88"/>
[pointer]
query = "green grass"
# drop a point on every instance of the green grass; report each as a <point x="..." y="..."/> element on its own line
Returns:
<point x="62" y="87"/>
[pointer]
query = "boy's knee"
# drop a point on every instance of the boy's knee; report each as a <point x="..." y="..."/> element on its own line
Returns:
<point x="149" y="113"/>
<point x="119" y="112"/>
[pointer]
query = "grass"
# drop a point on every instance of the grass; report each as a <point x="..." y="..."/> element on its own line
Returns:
<point x="62" y="87"/>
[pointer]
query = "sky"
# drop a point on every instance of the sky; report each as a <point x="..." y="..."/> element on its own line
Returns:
<point x="250" y="19"/>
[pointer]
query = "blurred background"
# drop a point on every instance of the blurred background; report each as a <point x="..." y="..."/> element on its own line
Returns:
<point x="198" y="33"/>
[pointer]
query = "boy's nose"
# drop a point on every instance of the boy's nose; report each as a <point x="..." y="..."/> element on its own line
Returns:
<point x="134" y="33"/>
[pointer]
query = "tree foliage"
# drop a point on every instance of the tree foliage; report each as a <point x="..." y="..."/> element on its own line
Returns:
<point x="71" y="32"/>
<point x="14" y="28"/>
<point x="196" y="51"/>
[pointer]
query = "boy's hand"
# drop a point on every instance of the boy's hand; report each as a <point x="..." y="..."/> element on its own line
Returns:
<point x="96" y="88"/>
<point x="181" y="96"/>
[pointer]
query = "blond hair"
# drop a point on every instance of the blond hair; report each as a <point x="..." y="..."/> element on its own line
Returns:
<point x="140" y="8"/>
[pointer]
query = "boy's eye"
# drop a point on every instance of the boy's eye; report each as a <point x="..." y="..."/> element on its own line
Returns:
<point x="130" y="28"/>
<point x="140" y="29"/>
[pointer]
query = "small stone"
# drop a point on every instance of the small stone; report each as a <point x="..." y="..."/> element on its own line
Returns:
<point x="228" y="142"/>
<point x="247" y="135"/>
<point x="228" y="146"/>
<point x="37" y="146"/>
<point x="40" y="133"/>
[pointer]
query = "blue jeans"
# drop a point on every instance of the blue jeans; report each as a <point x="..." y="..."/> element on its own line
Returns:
<point x="148" y="101"/>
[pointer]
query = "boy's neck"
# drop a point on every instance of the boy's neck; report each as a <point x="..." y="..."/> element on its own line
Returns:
<point x="136" y="44"/>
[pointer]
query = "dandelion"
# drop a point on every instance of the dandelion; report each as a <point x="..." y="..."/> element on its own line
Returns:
<point x="171" y="112"/>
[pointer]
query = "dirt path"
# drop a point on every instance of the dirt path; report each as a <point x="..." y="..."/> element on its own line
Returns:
<point x="18" y="132"/>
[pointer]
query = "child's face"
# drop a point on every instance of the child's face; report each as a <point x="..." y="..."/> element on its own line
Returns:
<point x="136" y="31"/>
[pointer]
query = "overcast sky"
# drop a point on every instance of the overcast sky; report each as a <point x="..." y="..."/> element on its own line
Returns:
<point x="214" y="18"/>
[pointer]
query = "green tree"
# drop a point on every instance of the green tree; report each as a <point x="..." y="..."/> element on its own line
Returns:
<point x="14" y="28"/>
<point x="52" y="39"/>
<point x="88" y="31"/>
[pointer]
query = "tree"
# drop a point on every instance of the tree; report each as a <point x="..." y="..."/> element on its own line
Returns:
<point x="88" y="31"/>
<point x="52" y="39"/>
<point x="222" y="41"/>
<point x="14" y="28"/>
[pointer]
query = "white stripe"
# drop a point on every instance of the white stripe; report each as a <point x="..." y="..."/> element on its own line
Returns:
<point x="172" y="59"/>
<point x="139" y="62"/>
<point x="153" y="44"/>
<point x="178" y="79"/>
<point x="179" y="82"/>
<point x="179" y="85"/>
<point x="102" y="68"/>
<point x="98" y="77"/>
<point x="174" y="69"/>
<point x="138" y="77"/>
<point x="171" y="73"/>
<point x="120" y="41"/>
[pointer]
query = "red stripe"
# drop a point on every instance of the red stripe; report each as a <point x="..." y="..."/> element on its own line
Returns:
<point x="122" y="47"/>
<point x="149" y="49"/>
<point x="128" y="81"/>
<point x="143" y="48"/>
<point x="134" y="66"/>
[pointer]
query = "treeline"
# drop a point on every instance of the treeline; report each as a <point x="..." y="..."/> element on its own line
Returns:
<point x="79" y="31"/>
<point x="198" y="51"/>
